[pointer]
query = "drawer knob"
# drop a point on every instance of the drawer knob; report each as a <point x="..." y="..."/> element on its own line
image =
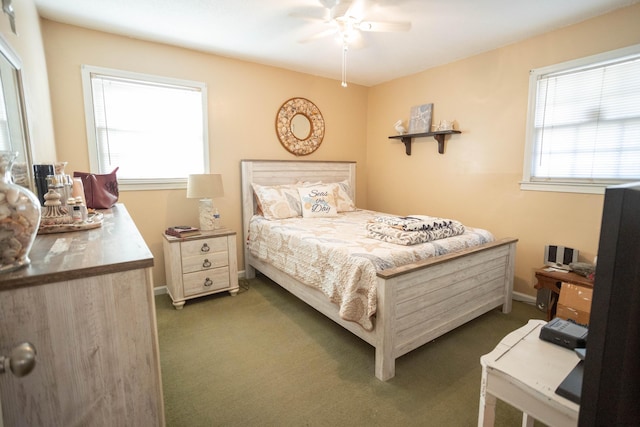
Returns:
<point x="21" y="362"/>
<point x="206" y="263"/>
<point x="208" y="282"/>
<point x="205" y="248"/>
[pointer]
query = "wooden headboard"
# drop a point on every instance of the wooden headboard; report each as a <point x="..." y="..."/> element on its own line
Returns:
<point x="275" y="172"/>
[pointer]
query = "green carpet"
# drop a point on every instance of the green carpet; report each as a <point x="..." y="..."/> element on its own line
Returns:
<point x="264" y="358"/>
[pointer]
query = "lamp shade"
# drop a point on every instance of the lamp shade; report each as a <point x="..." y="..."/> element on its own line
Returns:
<point x="204" y="186"/>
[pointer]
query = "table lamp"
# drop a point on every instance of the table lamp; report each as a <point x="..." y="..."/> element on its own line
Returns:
<point x="205" y="187"/>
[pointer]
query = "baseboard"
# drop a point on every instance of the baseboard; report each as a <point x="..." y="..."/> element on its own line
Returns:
<point x="160" y="290"/>
<point x="519" y="296"/>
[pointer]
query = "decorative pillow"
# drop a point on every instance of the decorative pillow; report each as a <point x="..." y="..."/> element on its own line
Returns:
<point x="278" y="201"/>
<point x="318" y="201"/>
<point x="343" y="200"/>
<point x="344" y="203"/>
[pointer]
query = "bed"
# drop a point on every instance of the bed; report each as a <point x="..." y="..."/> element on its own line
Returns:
<point x="415" y="302"/>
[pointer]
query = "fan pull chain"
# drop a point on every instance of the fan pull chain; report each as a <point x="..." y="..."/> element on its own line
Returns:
<point x="344" y="64"/>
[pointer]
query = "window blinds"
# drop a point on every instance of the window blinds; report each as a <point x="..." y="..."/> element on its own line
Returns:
<point x="149" y="130"/>
<point x="587" y="123"/>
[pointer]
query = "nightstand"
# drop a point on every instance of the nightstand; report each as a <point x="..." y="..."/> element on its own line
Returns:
<point x="200" y="265"/>
<point x="552" y="279"/>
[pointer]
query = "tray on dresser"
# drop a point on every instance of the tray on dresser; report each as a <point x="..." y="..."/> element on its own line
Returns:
<point x="93" y="221"/>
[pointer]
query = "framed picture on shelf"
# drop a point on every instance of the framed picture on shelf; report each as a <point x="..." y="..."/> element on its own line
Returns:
<point x="420" y="119"/>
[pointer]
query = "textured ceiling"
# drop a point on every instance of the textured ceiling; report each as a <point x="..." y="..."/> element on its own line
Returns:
<point x="278" y="32"/>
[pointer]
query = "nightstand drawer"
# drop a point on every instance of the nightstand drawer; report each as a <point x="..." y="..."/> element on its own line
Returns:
<point x="203" y="246"/>
<point x="206" y="281"/>
<point x="205" y="262"/>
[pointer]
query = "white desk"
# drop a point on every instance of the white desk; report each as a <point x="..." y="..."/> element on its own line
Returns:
<point x="524" y="371"/>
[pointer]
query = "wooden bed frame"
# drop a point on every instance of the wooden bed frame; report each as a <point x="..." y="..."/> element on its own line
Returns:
<point x="417" y="302"/>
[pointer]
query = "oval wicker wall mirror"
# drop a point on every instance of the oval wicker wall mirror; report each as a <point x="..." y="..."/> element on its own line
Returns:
<point x="291" y="126"/>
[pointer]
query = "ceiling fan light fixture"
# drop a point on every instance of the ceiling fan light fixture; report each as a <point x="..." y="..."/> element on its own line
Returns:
<point x="348" y="37"/>
<point x="345" y="19"/>
<point x="347" y="28"/>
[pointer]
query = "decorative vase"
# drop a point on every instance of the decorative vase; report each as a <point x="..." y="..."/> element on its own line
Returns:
<point x="19" y="218"/>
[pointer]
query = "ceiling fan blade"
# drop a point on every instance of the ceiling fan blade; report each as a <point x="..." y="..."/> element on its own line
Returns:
<point x="328" y="3"/>
<point x="325" y="33"/>
<point x="342" y="8"/>
<point x="308" y="17"/>
<point x="310" y="13"/>
<point x="352" y="8"/>
<point x="381" y="26"/>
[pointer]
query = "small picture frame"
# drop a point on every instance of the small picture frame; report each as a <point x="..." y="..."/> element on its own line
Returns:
<point x="420" y="119"/>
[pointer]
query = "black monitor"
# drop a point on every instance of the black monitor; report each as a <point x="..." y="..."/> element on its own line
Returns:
<point x="611" y="382"/>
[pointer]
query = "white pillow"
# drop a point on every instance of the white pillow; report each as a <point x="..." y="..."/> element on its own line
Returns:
<point x="318" y="201"/>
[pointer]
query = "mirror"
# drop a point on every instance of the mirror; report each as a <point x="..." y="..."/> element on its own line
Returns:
<point x="300" y="126"/>
<point x="13" y="130"/>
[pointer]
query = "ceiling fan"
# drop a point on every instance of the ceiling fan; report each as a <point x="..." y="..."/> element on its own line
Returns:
<point x="346" y="19"/>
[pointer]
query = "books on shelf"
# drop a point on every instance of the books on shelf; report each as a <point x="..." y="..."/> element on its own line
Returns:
<point x="182" y="231"/>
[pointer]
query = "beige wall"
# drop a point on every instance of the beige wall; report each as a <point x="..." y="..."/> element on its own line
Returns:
<point x="477" y="179"/>
<point x="27" y="44"/>
<point x="243" y="101"/>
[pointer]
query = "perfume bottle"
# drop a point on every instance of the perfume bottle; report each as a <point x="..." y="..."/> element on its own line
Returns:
<point x="83" y="208"/>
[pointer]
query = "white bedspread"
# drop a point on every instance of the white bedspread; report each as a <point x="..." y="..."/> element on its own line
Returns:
<point x="335" y="256"/>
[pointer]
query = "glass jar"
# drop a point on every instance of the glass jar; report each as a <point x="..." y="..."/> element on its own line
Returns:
<point x="19" y="218"/>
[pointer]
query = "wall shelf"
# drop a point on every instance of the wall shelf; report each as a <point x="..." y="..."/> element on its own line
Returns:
<point x="439" y="136"/>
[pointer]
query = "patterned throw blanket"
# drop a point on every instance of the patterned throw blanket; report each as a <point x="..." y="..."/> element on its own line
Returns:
<point x="412" y="230"/>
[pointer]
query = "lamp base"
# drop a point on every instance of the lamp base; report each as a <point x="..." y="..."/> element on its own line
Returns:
<point x="205" y="209"/>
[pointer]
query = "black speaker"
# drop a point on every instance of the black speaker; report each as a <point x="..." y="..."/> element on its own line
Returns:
<point x="543" y="299"/>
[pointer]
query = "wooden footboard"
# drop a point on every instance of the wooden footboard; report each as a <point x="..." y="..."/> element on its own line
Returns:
<point x="420" y="302"/>
<point x="416" y="303"/>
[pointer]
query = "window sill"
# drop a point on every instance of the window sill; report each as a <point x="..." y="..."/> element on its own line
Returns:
<point x="562" y="187"/>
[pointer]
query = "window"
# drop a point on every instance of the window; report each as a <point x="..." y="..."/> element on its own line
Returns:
<point x="583" y="128"/>
<point x="154" y="129"/>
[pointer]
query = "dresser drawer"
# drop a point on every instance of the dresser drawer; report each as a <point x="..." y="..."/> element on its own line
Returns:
<point x="203" y="246"/>
<point x="205" y="262"/>
<point x="206" y="281"/>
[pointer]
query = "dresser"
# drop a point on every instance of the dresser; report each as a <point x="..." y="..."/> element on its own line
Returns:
<point x="86" y="304"/>
<point x="200" y="265"/>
